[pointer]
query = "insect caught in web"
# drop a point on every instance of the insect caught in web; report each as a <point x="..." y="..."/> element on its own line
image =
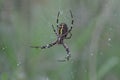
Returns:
<point x="62" y="34"/>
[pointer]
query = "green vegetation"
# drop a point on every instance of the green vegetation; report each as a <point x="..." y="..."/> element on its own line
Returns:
<point x="94" y="45"/>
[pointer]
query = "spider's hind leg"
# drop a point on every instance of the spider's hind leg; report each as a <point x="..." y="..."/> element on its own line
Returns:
<point x="46" y="46"/>
<point x="68" y="52"/>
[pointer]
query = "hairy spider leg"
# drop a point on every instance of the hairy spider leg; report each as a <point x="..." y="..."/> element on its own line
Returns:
<point x="72" y="18"/>
<point x="57" y="21"/>
<point x="54" y="30"/>
<point x="49" y="45"/>
<point x="46" y="46"/>
<point x="72" y="22"/>
<point x="68" y="51"/>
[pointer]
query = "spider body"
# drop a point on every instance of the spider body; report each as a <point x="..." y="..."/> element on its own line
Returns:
<point x="62" y="29"/>
<point x="62" y="34"/>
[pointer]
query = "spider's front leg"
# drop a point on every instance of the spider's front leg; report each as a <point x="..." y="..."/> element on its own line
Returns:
<point x="68" y="52"/>
<point x="46" y="46"/>
<point x="54" y="30"/>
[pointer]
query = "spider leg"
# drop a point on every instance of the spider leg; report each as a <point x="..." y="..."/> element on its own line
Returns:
<point x="72" y="22"/>
<point x="69" y="36"/>
<point x="54" y="30"/>
<point x="68" y="52"/>
<point x="49" y="45"/>
<point x="57" y="21"/>
<point x="71" y="17"/>
<point x="46" y="46"/>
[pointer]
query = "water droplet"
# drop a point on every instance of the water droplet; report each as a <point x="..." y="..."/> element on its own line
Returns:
<point x="3" y="48"/>
<point x="91" y="54"/>
<point x="18" y="64"/>
<point x="109" y="39"/>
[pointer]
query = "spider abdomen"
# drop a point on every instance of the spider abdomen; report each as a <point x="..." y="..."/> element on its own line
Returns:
<point x="62" y="30"/>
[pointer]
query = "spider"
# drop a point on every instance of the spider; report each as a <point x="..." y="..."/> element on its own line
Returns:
<point x="61" y="33"/>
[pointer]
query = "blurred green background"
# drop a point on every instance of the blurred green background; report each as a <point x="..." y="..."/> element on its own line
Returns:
<point x="94" y="46"/>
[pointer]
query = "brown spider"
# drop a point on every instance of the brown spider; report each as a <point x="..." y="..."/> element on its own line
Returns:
<point x="61" y="33"/>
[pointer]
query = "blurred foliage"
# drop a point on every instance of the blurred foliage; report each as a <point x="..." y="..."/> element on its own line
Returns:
<point x="94" y="45"/>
